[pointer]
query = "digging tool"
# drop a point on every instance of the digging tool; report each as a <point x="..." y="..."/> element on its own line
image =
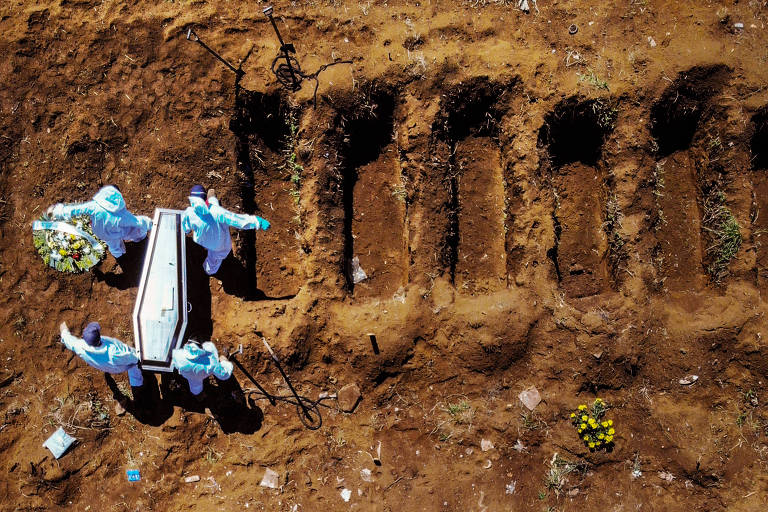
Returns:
<point x="231" y="356"/>
<point x="304" y="411"/>
<point x="294" y="82"/>
<point x="192" y="36"/>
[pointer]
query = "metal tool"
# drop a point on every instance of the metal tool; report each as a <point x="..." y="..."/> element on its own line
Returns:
<point x="192" y="36"/>
<point x="304" y="412"/>
<point x="231" y="356"/>
<point x="288" y="73"/>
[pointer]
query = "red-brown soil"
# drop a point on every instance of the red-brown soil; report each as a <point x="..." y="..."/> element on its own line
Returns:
<point x="529" y="206"/>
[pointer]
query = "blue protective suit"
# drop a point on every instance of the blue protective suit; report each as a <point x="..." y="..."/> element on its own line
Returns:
<point x="112" y="356"/>
<point x="110" y="219"/>
<point x="195" y="363"/>
<point x="210" y="223"/>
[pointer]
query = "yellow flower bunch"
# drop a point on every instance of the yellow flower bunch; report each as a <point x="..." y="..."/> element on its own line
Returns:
<point x="595" y="431"/>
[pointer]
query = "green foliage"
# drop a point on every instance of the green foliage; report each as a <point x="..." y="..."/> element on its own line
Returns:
<point x="592" y="79"/>
<point x="726" y="235"/>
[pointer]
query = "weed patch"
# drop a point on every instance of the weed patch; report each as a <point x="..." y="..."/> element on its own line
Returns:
<point x="725" y="232"/>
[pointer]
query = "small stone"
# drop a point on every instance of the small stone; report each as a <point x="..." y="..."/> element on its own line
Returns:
<point x="573" y="492"/>
<point x="192" y="479"/>
<point x="366" y="475"/>
<point x="119" y="409"/>
<point x="598" y="355"/>
<point x="530" y="398"/>
<point x="348" y="397"/>
<point x="486" y="445"/>
<point x="270" y="479"/>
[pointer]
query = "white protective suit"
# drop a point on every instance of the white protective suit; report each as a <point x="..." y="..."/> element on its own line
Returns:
<point x="112" y="356"/>
<point x="210" y="228"/>
<point x="195" y="363"/>
<point x="110" y="219"/>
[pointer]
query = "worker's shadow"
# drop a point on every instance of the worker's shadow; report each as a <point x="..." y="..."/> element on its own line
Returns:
<point x="239" y="278"/>
<point x="130" y="265"/>
<point x="146" y="405"/>
<point x="223" y="400"/>
<point x="199" y="321"/>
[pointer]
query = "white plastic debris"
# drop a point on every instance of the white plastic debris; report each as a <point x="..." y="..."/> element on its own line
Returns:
<point x="270" y="479"/>
<point x="636" y="473"/>
<point x="487" y="464"/>
<point x="486" y="444"/>
<point x="668" y="477"/>
<point x="358" y="274"/>
<point x="738" y="26"/>
<point x="59" y="442"/>
<point x="519" y="446"/>
<point x="510" y="487"/>
<point x="366" y="475"/>
<point x="530" y="398"/>
<point x="651" y="42"/>
<point x="192" y="479"/>
<point x="688" y="380"/>
<point x="346" y="494"/>
<point x="523" y="6"/>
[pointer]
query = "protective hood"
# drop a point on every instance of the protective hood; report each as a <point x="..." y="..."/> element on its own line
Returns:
<point x="194" y="353"/>
<point x="110" y="199"/>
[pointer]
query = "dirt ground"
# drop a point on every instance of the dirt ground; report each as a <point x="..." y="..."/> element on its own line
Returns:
<point x="531" y="208"/>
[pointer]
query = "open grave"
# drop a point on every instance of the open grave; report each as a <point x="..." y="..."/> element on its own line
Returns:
<point x="675" y="119"/>
<point x="267" y="131"/>
<point x="467" y="129"/>
<point x="573" y="135"/>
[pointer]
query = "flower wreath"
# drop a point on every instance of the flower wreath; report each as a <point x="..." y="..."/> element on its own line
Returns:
<point x="67" y="245"/>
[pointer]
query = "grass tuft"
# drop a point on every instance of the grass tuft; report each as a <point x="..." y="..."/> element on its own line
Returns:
<point x="725" y="232"/>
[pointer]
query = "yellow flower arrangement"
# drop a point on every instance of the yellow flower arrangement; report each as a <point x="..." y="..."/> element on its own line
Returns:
<point x="595" y="431"/>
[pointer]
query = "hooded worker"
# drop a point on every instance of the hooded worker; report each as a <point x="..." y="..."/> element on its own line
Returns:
<point x="195" y="363"/>
<point x="209" y="223"/>
<point x="103" y="353"/>
<point x="110" y="219"/>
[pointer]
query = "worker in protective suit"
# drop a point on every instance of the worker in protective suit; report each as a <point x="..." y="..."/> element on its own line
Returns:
<point x="195" y="363"/>
<point x="104" y="353"/>
<point x="210" y="223"/>
<point x="110" y="219"/>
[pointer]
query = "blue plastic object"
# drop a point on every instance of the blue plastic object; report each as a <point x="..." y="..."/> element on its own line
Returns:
<point x="133" y="475"/>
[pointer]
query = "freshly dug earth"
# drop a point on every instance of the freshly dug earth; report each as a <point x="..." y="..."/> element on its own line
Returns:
<point x="531" y="208"/>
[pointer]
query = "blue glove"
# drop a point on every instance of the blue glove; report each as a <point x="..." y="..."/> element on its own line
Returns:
<point x="263" y="224"/>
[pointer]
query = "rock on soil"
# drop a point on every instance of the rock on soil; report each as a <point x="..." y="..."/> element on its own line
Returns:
<point x="530" y="398"/>
<point x="348" y="397"/>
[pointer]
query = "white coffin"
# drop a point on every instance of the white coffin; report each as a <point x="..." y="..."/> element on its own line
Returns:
<point x="160" y="314"/>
